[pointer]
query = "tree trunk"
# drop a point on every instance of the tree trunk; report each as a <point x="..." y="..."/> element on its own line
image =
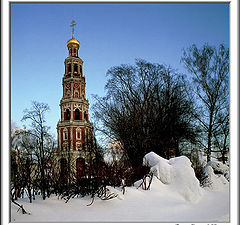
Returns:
<point x="224" y="149"/>
<point x="42" y="165"/>
<point x="30" y="194"/>
<point x="33" y="194"/>
<point x="43" y="184"/>
<point x="209" y="138"/>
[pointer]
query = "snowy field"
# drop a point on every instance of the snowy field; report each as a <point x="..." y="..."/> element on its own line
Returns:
<point x="174" y="196"/>
<point x="137" y="205"/>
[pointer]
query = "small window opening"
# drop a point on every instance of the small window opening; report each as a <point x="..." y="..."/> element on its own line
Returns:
<point x="67" y="114"/>
<point x="75" y="68"/>
<point x="77" y="114"/>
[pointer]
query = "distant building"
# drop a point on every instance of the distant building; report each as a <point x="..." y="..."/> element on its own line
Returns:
<point x="115" y="151"/>
<point x="74" y="129"/>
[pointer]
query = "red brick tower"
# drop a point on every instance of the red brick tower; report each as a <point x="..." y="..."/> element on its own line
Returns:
<point x="74" y="129"/>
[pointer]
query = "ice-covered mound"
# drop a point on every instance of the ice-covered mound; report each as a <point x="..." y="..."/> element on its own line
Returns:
<point x="213" y="181"/>
<point x="177" y="173"/>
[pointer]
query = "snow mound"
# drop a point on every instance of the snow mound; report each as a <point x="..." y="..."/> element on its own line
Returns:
<point x="218" y="167"/>
<point x="115" y="192"/>
<point x="152" y="159"/>
<point x="158" y="166"/>
<point x="177" y="173"/>
<point x="213" y="181"/>
<point x="185" y="181"/>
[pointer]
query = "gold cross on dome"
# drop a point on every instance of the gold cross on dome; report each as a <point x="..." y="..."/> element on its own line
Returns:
<point x="73" y="24"/>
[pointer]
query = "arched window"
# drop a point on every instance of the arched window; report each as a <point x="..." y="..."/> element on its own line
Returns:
<point x="67" y="114"/>
<point x="78" y="133"/>
<point x="77" y="114"/>
<point x="69" y="68"/>
<point x="80" y="167"/>
<point x="65" y="134"/>
<point x="75" y="68"/>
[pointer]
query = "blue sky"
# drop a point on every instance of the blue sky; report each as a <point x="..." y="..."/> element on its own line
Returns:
<point x="109" y="34"/>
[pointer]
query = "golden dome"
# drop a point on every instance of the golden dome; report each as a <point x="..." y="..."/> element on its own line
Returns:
<point x="73" y="43"/>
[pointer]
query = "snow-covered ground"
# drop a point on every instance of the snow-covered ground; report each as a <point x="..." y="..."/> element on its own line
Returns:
<point x="174" y="196"/>
<point x="156" y="205"/>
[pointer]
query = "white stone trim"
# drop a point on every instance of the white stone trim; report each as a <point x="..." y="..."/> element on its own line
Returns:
<point x="78" y="130"/>
<point x="65" y="134"/>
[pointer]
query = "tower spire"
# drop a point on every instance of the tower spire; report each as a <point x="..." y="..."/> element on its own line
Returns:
<point x="72" y="25"/>
<point x="73" y="44"/>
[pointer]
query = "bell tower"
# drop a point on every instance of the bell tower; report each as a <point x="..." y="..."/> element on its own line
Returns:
<point x="74" y="129"/>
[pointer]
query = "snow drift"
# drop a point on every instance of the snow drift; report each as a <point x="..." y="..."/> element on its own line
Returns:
<point x="173" y="183"/>
<point x="219" y="168"/>
<point x="215" y="181"/>
<point x="177" y="173"/>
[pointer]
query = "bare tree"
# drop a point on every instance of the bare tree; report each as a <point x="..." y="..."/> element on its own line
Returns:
<point x="42" y="139"/>
<point x="210" y="69"/>
<point x="22" y="163"/>
<point x="145" y="109"/>
<point x="221" y="137"/>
